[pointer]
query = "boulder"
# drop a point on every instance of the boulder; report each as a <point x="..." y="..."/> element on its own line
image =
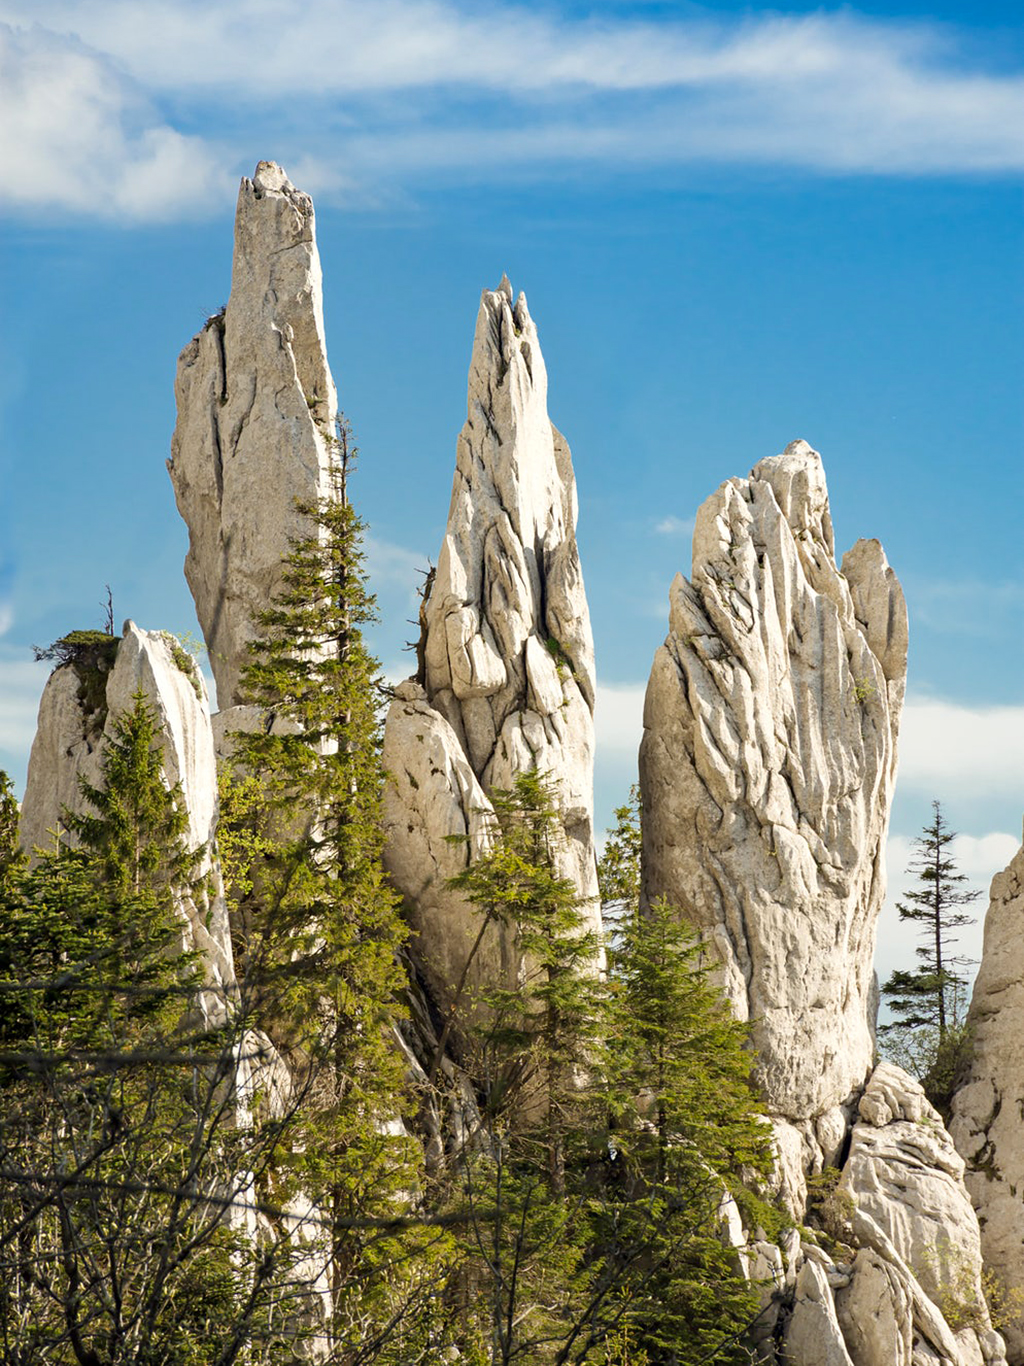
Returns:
<point x="506" y="678"/>
<point x="256" y="411"/>
<point x="766" y="770"/>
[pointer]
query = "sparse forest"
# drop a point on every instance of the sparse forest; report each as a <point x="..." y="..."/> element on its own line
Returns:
<point x="282" y="1169"/>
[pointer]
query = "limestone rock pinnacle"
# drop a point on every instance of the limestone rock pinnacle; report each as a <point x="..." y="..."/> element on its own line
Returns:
<point x="507" y="663"/>
<point x="69" y="745"/>
<point x="256" y="404"/>
<point x="767" y="768"/>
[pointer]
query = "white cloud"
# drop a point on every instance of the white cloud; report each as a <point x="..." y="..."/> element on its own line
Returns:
<point x="21" y="686"/>
<point x="395" y="566"/>
<point x="75" y="136"/>
<point x="675" y="526"/>
<point x="971" y="607"/>
<point x="619" y="717"/>
<point x="974" y="751"/>
<point x="367" y="91"/>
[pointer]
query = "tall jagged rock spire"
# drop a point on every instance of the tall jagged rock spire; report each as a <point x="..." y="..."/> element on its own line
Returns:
<point x="256" y="404"/>
<point x="506" y="681"/>
<point x="767" y="770"/>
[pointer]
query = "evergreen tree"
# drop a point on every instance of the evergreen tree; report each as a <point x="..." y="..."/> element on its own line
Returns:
<point x="934" y="995"/>
<point x="10" y="850"/>
<point x="520" y="1184"/>
<point x="685" y="1131"/>
<point x="320" y="926"/>
<point x="119" y="1145"/>
<point x="543" y="1031"/>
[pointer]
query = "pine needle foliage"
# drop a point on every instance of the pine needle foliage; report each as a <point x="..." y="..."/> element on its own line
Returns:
<point x="686" y="1130"/>
<point x="935" y="995"/>
<point x="319" y="924"/>
<point x="119" y="1118"/>
<point x="542" y="1032"/>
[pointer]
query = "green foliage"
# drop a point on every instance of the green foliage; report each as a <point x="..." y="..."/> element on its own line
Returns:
<point x="542" y="1032"/>
<point x="830" y="1210"/>
<point x="595" y="1205"/>
<point x="10" y="851"/>
<point x="318" y="923"/>
<point x="119" y="1126"/>
<point x="934" y="996"/>
<point x="92" y="655"/>
<point x="618" y="869"/>
<point x="185" y="660"/>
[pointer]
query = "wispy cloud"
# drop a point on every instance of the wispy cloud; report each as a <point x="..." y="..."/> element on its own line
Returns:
<point x="675" y="526"/>
<point x="403" y="90"/>
<point x="972" y="607"/>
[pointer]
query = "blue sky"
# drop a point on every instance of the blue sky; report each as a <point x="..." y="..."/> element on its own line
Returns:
<point x="736" y="226"/>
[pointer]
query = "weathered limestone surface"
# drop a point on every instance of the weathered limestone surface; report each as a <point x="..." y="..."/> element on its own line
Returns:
<point x="69" y="744"/>
<point x="908" y="1266"/>
<point x="987" y="1109"/>
<point x="255" y="406"/>
<point x="507" y="664"/>
<point x="813" y="1336"/>
<point x="767" y="769"/>
<point x="911" y="1210"/>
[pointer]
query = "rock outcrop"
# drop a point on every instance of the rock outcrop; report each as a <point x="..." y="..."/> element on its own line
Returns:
<point x="901" y="1283"/>
<point x="986" y="1124"/>
<point x="767" y="768"/>
<point x="256" y="406"/>
<point x="506" y="678"/>
<point x="80" y="705"/>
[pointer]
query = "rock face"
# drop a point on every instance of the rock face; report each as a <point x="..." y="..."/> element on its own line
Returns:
<point x="766" y="769"/>
<point x="256" y="404"/>
<point x="920" y="1260"/>
<point x="986" y="1123"/>
<point x="902" y="1287"/>
<point x="506" y="679"/>
<point x="74" y="720"/>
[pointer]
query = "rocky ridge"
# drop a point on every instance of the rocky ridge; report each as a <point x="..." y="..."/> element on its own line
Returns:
<point x="506" y="677"/>
<point x="767" y="768"/>
<point x="987" y="1107"/>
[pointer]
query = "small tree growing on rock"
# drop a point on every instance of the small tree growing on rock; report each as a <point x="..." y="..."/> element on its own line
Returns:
<point x="929" y="1004"/>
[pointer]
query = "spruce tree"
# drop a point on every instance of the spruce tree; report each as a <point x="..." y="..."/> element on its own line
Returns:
<point x="685" y="1131"/>
<point x="321" y="925"/>
<point x="520" y="1184"/>
<point x="120" y="1147"/>
<point x="934" y="995"/>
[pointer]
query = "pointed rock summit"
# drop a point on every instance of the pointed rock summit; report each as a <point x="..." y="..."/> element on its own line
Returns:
<point x="80" y="705"/>
<point x="987" y="1109"/>
<point x="767" y="768"/>
<point x="506" y="659"/>
<point x="256" y="407"/>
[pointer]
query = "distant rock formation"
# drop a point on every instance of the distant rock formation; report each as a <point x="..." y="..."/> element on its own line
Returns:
<point x="256" y="404"/>
<point x="77" y="715"/>
<point x="986" y="1124"/>
<point x="766" y="771"/>
<point x="506" y="679"/>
